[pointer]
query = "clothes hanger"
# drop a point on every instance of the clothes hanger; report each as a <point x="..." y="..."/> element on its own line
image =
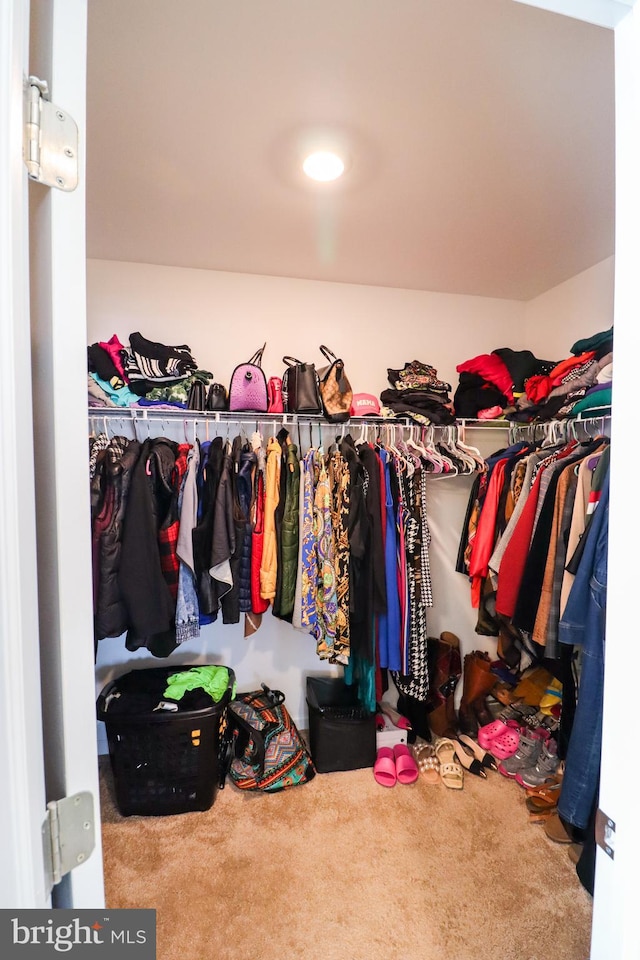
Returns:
<point x="461" y="451"/>
<point x="432" y="454"/>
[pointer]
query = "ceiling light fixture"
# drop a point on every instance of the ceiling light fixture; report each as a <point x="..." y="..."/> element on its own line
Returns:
<point x="323" y="166"/>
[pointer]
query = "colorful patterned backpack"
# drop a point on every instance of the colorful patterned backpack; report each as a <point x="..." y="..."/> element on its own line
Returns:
<point x="265" y="748"/>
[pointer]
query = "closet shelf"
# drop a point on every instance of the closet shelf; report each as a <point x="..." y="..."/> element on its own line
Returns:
<point x="226" y="416"/>
<point x="154" y="414"/>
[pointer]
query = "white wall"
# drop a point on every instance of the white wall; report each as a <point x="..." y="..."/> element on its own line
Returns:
<point x="224" y="317"/>
<point x="574" y="309"/>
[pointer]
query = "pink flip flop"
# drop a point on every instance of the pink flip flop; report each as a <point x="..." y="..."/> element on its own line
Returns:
<point x="406" y="766"/>
<point x="384" y="769"/>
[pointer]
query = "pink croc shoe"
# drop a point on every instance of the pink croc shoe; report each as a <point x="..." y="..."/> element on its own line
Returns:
<point x="505" y="745"/>
<point x="488" y="733"/>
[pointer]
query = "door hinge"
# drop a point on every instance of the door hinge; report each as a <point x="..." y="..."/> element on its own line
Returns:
<point x="50" y="139"/>
<point x="68" y="835"/>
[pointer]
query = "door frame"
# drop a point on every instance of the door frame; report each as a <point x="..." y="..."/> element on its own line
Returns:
<point x="48" y="747"/>
<point x="22" y="798"/>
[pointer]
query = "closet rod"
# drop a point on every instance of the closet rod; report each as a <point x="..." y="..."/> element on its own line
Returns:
<point x="562" y="429"/>
<point x="227" y="416"/>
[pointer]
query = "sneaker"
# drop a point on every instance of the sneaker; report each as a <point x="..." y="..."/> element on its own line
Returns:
<point x="525" y="756"/>
<point x="544" y="768"/>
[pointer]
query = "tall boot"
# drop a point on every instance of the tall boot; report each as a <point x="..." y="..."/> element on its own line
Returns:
<point x="444" y="672"/>
<point x="478" y="682"/>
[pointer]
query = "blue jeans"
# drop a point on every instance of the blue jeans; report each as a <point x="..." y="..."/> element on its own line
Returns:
<point x="583" y="623"/>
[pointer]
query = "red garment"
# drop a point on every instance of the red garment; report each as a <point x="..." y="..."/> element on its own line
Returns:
<point x="515" y="556"/>
<point x="169" y="563"/>
<point x="484" y="540"/>
<point x="539" y="387"/>
<point x="114" y="348"/>
<point x="168" y="533"/>
<point x="490" y="367"/>
<point x="258" y="605"/>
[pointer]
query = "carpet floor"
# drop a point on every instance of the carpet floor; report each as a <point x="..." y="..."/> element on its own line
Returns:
<point x="343" y="869"/>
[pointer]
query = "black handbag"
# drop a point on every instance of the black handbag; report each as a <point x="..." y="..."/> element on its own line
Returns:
<point x="217" y="397"/>
<point x="300" y="387"/>
<point x="197" y="397"/>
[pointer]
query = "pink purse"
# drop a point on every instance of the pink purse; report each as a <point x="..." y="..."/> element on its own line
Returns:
<point x="248" y="387"/>
<point x="274" y="392"/>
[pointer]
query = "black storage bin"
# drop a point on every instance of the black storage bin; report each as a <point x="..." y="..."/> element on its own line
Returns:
<point x="342" y="734"/>
<point x="163" y="762"/>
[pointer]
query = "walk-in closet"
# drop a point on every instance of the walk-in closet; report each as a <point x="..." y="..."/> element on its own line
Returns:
<point x="472" y="224"/>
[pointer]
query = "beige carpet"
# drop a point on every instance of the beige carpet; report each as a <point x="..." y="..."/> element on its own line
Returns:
<point x="343" y="869"/>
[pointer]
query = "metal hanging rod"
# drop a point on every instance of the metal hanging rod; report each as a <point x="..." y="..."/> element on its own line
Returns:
<point x="226" y="416"/>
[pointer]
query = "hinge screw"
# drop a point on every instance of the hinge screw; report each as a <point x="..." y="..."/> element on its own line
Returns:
<point x="60" y="181"/>
<point x="80" y="857"/>
<point x="59" y="114"/>
<point x="68" y="152"/>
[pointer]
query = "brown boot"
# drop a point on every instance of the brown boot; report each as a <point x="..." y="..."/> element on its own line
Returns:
<point x="478" y="682"/>
<point x="444" y="673"/>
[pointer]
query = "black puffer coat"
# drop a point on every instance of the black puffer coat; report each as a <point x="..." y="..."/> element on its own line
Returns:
<point x="244" y="484"/>
<point x="149" y="603"/>
<point x="111" y="617"/>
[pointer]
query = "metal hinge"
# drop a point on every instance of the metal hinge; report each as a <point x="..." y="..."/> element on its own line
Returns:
<point x="68" y="835"/>
<point x="50" y="139"/>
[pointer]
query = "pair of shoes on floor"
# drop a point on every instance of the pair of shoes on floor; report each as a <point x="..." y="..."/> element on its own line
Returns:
<point x="542" y="801"/>
<point x="535" y="760"/>
<point x="458" y="755"/>
<point x="500" y="736"/>
<point x="395" y="765"/>
<point x="545" y="766"/>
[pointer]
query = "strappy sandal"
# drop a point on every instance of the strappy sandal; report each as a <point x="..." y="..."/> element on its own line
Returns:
<point x="546" y="794"/>
<point x="535" y="805"/>
<point x="428" y="763"/>
<point x="451" y="772"/>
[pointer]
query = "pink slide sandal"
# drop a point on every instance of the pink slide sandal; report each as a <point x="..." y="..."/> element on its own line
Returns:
<point x="406" y="766"/>
<point x="384" y="769"/>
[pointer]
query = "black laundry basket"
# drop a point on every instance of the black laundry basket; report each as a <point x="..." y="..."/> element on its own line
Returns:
<point x="162" y="762"/>
<point x="342" y="733"/>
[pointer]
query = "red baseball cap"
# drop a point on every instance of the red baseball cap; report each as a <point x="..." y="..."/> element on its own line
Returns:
<point x="365" y="405"/>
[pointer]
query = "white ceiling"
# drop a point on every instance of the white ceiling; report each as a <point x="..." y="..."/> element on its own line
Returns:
<point x="479" y="135"/>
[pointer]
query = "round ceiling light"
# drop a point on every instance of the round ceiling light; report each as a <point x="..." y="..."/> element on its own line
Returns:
<point x="323" y="166"/>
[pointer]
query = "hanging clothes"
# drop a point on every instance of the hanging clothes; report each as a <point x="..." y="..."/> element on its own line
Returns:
<point x="145" y="591"/>
<point x="187" y="605"/>
<point x="583" y="625"/>
<point x="269" y="566"/>
<point x="339" y="482"/>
